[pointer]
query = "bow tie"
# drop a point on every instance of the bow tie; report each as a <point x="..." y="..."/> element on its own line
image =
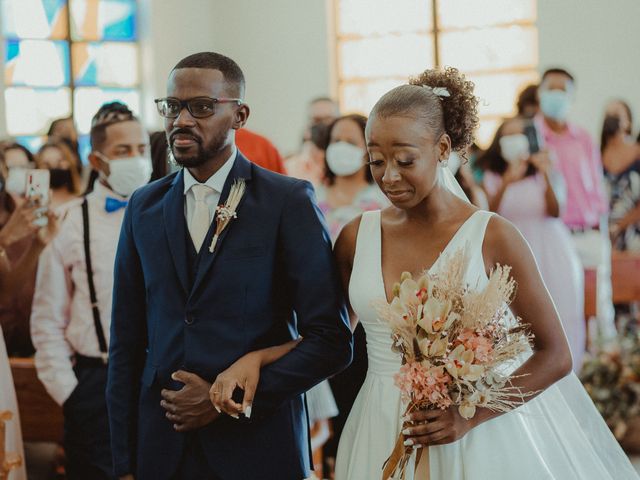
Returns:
<point x="113" y="204"/>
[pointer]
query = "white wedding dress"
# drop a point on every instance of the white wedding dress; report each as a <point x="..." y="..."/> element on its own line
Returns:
<point x="558" y="435"/>
<point x="8" y="402"/>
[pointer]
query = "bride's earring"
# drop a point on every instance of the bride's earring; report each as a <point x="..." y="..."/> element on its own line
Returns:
<point x="444" y="163"/>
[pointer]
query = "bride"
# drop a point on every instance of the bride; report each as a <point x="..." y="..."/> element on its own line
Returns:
<point x="557" y="434"/>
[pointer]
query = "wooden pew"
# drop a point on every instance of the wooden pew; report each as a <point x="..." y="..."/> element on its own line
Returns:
<point x="625" y="280"/>
<point x="40" y="417"/>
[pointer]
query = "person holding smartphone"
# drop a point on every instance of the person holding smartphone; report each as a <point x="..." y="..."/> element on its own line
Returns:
<point x="524" y="187"/>
<point x="71" y="315"/>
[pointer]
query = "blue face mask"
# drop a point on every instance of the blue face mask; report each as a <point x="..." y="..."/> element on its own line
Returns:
<point x="555" y="104"/>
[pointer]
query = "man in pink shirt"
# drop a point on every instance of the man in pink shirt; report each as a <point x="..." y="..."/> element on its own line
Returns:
<point x="71" y="312"/>
<point x="578" y="159"/>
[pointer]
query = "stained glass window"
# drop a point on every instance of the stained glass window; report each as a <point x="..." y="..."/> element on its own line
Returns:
<point x="67" y="57"/>
<point x="380" y="43"/>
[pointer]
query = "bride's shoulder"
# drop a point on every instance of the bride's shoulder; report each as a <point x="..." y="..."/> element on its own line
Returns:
<point x="503" y="242"/>
<point x="345" y="246"/>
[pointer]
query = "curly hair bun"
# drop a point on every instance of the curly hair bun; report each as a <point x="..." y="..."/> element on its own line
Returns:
<point x="447" y="104"/>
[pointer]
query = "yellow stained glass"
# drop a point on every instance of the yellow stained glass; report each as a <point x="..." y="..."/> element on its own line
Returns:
<point x="498" y="92"/>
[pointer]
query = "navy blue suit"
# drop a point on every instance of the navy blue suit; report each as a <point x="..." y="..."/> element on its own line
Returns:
<point x="271" y="278"/>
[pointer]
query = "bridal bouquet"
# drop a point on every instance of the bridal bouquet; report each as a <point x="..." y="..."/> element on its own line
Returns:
<point x="455" y="342"/>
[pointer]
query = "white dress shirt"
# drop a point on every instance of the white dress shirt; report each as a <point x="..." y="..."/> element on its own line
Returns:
<point x="61" y="317"/>
<point x="215" y="183"/>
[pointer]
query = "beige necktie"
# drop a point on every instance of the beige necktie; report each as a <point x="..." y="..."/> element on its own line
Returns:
<point x="200" y="221"/>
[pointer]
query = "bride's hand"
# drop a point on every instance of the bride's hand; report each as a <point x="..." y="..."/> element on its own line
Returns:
<point x="435" y="427"/>
<point x="243" y="374"/>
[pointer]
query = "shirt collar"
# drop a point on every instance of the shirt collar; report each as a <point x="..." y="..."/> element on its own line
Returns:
<point x="217" y="180"/>
<point x="546" y="131"/>
<point x="101" y="191"/>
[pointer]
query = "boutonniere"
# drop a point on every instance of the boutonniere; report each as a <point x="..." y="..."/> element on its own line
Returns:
<point x="227" y="212"/>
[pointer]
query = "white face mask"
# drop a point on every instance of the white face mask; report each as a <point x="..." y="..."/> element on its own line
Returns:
<point x="127" y="174"/>
<point x="514" y="148"/>
<point x="17" y="180"/>
<point x="344" y="159"/>
<point x="454" y="162"/>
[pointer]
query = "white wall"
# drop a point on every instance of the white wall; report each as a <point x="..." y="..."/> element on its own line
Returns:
<point x="282" y="47"/>
<point x="598" y="43"/>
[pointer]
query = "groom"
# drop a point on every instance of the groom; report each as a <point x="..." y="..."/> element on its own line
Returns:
<point x="183" y="313"/>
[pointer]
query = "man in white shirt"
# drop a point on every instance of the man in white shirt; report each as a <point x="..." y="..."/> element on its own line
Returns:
<point x="71" y="312"/>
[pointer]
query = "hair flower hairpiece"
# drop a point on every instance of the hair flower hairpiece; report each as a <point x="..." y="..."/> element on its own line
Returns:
<point x="438" y="91"/>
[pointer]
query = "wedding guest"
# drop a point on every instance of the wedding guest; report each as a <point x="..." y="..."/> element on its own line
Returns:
<point x="309" y="163"/>
<point x="13" y="275"/>
<point x="259" y="150"/>
<point x="17" y="159"/>
<point x="527" y="189"/>
<point x="586" y="205"/>
<point x="20" y="245"/>
<point x="64" y="129"/>
<point x="621" y="160"/>
<point x="56" y="157"/>
<point x="528" y="104"/>
<point x="349" y="189"/>
<point x="72" y="303"/>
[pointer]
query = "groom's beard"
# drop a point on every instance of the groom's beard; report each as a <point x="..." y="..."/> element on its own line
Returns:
<point x="203" y="154"/>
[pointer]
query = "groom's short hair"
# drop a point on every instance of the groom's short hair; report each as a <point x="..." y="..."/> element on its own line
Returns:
<point x="230" y="70"/>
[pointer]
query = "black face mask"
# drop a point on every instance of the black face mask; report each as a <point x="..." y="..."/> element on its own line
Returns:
<point x="60" y="177"/>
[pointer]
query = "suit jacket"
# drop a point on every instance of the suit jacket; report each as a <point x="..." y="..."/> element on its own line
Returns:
<point x="271" y="278"/>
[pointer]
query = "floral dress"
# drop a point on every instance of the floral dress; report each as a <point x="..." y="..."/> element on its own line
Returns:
<point x="624" y="194"/>
<point x="368" y="199"/>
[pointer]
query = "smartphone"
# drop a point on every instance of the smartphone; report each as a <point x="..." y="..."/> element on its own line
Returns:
<point x="531" y="132"/>
<point x="38" y="186"/>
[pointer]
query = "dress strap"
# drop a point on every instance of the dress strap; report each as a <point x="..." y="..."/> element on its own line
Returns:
<point x="368" y="241"/>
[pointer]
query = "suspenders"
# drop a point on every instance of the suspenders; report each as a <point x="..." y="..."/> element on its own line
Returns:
<point x="102" y="342"/>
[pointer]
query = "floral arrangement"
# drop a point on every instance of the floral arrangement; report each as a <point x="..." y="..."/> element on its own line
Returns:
<point x="612" y="379"/>
<point x="8" y="461"/>
<point x="454" y="342"/>
<point x="227" y="212"/>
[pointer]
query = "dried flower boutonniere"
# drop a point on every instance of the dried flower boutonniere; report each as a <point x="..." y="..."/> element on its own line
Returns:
<point x="225" y="213"/>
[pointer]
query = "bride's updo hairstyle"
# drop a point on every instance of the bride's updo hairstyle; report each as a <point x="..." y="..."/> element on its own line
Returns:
<point x="442" y="99"/>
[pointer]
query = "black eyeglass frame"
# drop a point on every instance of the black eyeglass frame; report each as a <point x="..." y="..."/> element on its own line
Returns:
<point x="187" y="104"/>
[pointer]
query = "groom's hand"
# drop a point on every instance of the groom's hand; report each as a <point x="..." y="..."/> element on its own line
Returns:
<point x="188" y="408"/>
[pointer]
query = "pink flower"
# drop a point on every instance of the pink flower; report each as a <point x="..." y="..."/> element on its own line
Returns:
<point x="481" y="346"/>
<point x="419" y="383"/>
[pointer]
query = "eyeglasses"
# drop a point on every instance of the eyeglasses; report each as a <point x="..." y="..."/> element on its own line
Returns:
<point x="198" y="107"/>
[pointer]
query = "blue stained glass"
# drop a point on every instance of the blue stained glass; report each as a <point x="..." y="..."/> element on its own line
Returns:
<point x="89" y="76"/>
<point x="84" y="147"/>
<point x="38" y="63"/>
<point x="32" y="143"/>
<point x="125" y="29"/>
<point x="13" y="50"/>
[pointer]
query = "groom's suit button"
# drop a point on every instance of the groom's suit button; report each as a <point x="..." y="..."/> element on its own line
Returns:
<point x="189" y="320"/>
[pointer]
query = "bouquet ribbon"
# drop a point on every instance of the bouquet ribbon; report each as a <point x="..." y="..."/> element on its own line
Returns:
<point x="398" y="461"/>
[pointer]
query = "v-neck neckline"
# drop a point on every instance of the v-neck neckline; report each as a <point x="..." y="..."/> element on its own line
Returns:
<point x="428" y="270"/>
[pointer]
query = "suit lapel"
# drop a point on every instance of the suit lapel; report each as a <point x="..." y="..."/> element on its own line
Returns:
<point x="241" y="169"/>
<point x="174" y="225"/>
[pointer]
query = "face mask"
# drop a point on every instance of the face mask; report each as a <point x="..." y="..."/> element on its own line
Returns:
<point x="344" y="159"/>
<point x="128" y="174"/>
<point x="514" y="148"/>
<point x="454" y="162"/>
<point x="555" y="104"/>
<point x="59" y="178"/>
<point x="17" y="180"/>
